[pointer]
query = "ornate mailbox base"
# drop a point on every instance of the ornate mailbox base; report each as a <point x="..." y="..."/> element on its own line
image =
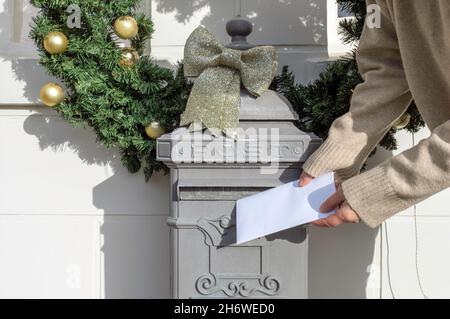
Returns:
<point x="205" y="261"/>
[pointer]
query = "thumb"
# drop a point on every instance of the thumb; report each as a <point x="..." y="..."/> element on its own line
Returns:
<point x="332" y="202"/>
<point x="305" y="179"/>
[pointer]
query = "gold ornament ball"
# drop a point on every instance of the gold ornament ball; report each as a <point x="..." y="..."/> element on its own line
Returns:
<point x="51" y="94"/>
<point x="402" y="122"/>
<point x="154" y="130"/>
<point x="129" y="57"/>
<point x="126" y="27"/>
<point x="55" y="42"/>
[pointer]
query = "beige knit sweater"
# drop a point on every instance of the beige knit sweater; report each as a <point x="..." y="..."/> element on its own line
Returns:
<point x="408" y="57"/>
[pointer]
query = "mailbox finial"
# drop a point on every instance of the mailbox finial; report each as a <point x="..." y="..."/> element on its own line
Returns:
<point x="239" y="29"/>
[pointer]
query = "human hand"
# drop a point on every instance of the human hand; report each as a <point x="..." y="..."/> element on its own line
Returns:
<point x="304" y="179"/>
<point x="344" y="213"/>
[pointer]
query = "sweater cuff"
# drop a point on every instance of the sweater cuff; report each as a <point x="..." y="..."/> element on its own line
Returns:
<point x="372" y="196"/>
<point x="332" y="156"/>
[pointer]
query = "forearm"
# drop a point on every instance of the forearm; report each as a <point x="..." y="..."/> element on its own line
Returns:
<point x="376" y="104"/>
<point x="402" y="181"/>
<point x="353" y="136"/>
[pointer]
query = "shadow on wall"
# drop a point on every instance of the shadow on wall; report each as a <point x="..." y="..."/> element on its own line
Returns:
<point x="26" y="70"/>
<point x="136" y="246"/>
<point x="135" y="237"/>
<point x="54" y="133"/>
<point x="135" y="242"/>
<point x="342" y="261"/>
<point x="284" y="23"/>
<point x="33" y="75"/>
<point x="274" y="20"/>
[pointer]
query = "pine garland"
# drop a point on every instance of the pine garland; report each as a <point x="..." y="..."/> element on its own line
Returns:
<point x="327" y="98"/>
<point x="117" y="102"/>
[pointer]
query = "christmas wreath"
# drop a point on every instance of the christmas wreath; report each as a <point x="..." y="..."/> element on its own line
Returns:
<point x="95" y="48"/>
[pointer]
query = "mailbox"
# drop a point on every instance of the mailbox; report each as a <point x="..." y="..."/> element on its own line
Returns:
<point x="208" y="174"/>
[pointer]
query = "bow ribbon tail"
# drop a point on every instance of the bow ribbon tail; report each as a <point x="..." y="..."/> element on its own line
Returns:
<point x="214" y="100"/>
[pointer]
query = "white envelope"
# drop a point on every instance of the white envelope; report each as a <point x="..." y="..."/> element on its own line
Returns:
<point x="282" y="207"/>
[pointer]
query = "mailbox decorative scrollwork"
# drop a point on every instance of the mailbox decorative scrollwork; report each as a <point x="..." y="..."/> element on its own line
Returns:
<point x="209" y="285"/>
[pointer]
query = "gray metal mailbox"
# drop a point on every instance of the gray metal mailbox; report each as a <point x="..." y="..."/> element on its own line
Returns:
<point x="205" y="262"/>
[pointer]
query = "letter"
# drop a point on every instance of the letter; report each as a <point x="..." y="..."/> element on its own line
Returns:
<point x="275" y="150"/>
<point x="74" y="19"/>
<point x="247" y="308"/>
<point x="213" y="152"/>
<point x="74" y="277"/>
<point x="261" y="307"/>
<point x="374" y="16"/>
<point x="186" y="309"/>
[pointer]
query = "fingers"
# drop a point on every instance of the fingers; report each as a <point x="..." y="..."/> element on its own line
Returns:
<point x="320" y="223"/>
<point x="305" y="179"/>
<point x="347" y="214"/>
<point x="329" y="222"/>
<point x="332" y="202"/>
<point x="344" y="214"/>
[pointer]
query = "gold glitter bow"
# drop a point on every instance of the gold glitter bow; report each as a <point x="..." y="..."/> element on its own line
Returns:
<point x="215" y="97"/>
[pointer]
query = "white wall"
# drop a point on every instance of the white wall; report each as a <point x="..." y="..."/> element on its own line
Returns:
<point x="299" y="29"/>
<point x="410" y="247"/>
<point x="74" y="223"/>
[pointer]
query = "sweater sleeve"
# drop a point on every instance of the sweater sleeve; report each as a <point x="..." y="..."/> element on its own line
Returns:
<point x="403" y="180"/>
<point x="376" y="104"/>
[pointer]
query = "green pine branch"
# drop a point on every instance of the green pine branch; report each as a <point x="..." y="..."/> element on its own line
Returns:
<point x="116" y="101"/>
<point x="322" y="101"/>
